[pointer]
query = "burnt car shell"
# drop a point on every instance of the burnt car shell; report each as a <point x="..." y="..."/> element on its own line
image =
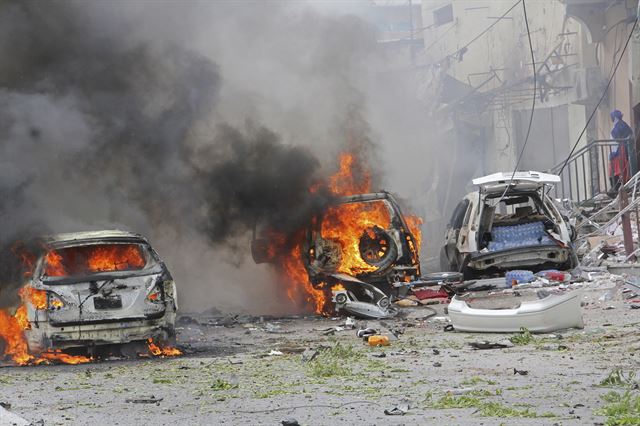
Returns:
<point x="110" y="307"/>
<point x="400" y="262"/>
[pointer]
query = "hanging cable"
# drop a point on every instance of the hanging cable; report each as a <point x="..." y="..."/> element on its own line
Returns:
<point x="604" y="93"/>
<point x="482" y="33"/>
<point x="533" y="102"/>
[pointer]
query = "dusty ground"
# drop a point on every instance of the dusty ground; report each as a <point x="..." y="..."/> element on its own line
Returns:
<point x="227" y="376"/>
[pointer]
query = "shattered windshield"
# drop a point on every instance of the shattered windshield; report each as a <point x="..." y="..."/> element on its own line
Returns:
<point x="96" y="258"/>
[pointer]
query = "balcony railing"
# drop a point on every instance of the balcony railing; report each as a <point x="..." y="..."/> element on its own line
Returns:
<point x="588" y="171"/>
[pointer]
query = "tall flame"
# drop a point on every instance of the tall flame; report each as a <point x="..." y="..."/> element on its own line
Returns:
<point x="344" y="224"/>
<point x="12" y="328"/>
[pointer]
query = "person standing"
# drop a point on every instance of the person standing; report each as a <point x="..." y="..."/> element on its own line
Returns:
<point x="619" y="159"/>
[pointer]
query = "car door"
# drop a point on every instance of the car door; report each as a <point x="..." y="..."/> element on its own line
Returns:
<point x="450" y="250"/>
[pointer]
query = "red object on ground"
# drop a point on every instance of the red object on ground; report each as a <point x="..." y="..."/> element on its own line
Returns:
<point x="427" y="293"/>
<point x="556" y="276"/>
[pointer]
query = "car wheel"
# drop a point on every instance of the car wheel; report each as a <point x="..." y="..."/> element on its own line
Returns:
<point x="377" y="248"/>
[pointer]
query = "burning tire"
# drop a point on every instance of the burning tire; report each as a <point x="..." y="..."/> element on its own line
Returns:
<point x="377" y="247"/>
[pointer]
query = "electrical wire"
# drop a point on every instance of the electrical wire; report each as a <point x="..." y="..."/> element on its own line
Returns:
<point x="604" y="93"/>
<point x="533" y="102"/>
<point x="482" y="33"/>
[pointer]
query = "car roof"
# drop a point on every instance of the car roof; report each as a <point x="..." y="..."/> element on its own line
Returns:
<point x="108" y="234"/>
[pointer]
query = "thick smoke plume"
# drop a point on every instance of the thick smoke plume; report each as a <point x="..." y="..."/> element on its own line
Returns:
<point x="186" y="122"/>
<point x="101" y="129"/>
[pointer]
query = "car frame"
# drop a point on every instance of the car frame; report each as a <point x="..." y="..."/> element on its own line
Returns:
<point x="81" y="311"/>
<point x="401" y="263"/>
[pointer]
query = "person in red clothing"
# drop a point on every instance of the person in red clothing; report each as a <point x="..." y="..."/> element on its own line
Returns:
<point x="618" y="159"/>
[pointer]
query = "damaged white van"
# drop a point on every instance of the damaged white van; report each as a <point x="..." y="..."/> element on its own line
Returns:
<point x="508" y="224"/>
<point x="91" y="289"/>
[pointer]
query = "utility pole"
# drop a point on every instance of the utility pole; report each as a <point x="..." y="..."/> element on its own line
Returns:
<point x="624" y="200"/>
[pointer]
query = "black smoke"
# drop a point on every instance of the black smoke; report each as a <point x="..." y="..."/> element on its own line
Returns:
<point x="100" y="127"/>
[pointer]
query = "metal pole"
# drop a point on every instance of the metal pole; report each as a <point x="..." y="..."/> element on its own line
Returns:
<point x="626" y="220"/>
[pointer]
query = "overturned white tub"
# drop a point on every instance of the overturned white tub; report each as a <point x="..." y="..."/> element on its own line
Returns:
<point x="551" y="313"/>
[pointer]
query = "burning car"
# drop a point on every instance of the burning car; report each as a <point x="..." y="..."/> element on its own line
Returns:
<point x="365" y="236"/>
<point x="90" y="289"/>
<point x="358" y="249"/>
<point x="508" y="224"/>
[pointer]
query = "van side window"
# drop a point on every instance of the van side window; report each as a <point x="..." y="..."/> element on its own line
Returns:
<point x="458" y="214"/>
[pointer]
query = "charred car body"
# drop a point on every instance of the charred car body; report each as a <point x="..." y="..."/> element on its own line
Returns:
<point x="386" y="249"/>
<point x="508" y="224"/>
<point x="98" y="288"/>
<point x="362" y="247"/>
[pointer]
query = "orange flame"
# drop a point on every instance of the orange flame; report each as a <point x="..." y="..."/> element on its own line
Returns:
<point x="296" y="274"/>
<point x="98" y="258"/>
<point x="12" y="329"/>
<point x="38" y="298"/>
<point x="344" y="224"/>
<point x="164" y="351"/>
<point x="11" y="332"/>
<point x="59" y="356"/>
<point x="352" y="178"/>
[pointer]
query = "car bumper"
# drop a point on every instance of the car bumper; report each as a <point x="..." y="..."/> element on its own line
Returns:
<point x="555" y="312"/>
<point x="45" y="336"/>
<point x="521" y="257"/>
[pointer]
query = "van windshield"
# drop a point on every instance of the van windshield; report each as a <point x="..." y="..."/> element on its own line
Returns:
<point x="95" y="258"/>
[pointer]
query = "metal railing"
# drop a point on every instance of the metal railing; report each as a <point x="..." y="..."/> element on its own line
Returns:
<point x="587" y="172"/>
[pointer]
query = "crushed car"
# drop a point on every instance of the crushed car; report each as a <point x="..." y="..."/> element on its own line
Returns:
<point x="92" y="289"/>
<point x="508" y="224"/>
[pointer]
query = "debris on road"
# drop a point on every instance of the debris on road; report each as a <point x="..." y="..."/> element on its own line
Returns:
<point x="484" y="344"/>
<point x="144" y="400"/>
<point x="378" y="340"/>
<point x="9" y="418"/>
<point x="309" y="355"/>
<point x="398" y="410"/>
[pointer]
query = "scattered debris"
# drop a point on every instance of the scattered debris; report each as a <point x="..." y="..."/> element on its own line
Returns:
<point x="274" y="328"/>
<point x="398" y="410"/>
<point x="350" y="323"/>
<point x="290" y="422"/>
<point x="365" y="333"/>
<point x="144" y="400"/>
<point x="378" y="340"/>
<point x="309" y="355"/>
<point x="484" y="344"/>
<point x="9" y="418"/>
<point x="520" y="372"/>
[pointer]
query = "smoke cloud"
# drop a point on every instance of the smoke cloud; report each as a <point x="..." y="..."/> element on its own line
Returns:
<point x="188" y="122"/>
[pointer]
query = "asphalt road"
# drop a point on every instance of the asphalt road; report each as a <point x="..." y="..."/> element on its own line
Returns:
<point x="254" y="371"/>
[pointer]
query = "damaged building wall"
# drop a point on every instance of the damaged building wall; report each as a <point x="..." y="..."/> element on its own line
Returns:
<point x="576" y="45"/>
<point x="498" y="72"/>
